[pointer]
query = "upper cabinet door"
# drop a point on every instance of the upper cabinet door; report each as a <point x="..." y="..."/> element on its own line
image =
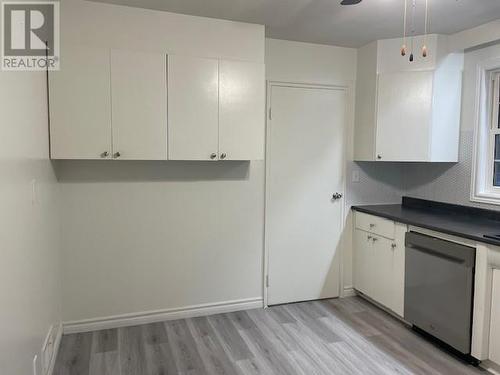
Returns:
<point x="139" y="105"/>
<point x="80" y="105"/>
<point x="193" y="90"/>
<point x="241" y="110"/>
<point x="404" y="116"/>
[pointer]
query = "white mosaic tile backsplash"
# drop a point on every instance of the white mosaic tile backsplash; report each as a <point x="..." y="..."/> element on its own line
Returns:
<point x="388" y="182"/>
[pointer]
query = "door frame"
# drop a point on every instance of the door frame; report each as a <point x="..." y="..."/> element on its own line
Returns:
<point x="348" y="124"/>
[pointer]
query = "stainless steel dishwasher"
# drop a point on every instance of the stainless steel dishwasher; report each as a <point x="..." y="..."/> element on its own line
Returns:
<point x="439" y="281"/>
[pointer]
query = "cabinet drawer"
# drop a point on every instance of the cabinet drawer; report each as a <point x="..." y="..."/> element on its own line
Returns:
<point x="374" y="224"/>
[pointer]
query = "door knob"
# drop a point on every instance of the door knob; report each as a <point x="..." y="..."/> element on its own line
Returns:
<point x="213" y="156"/>
<point x="104" y="154"/>
<point x="223" y="155"/>
<point x="116" y="155"/>
<point x="336" y="196"/>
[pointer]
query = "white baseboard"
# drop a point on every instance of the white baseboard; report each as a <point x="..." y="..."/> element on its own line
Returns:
<point x="491" y="367"/>
<point x="348" y="292"/>
<point x="50" y="348"/>
<point x="146" y="317"/>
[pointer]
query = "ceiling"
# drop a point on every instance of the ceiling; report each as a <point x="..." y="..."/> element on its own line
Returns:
<point x="327" y="22"/>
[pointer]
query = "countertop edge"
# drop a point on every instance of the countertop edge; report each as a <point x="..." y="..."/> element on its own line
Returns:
<point x="399" y="219"/>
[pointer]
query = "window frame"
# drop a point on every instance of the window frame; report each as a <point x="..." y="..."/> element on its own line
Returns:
<point x="494" y="102"/>
<point x="486" y="113"/>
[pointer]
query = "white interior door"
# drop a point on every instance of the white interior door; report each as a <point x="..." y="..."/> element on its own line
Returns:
<point x="193" y="108"/>
<point x="139" y="105"/>
<point x="305" y="168"/>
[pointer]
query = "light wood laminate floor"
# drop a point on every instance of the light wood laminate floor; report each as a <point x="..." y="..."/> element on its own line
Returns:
<point x="341" y="336"/>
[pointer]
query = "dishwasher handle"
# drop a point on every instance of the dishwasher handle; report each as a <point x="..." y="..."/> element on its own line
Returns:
<point x="441" y="248"/>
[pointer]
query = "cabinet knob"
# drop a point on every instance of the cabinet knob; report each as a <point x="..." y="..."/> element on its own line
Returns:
<point x="374" y="239"/>
<point x="213" y="156"/>
<point x="223" y="155"/>
<point x="116" y="155"/>
<point x="379" y="157"/>
<point x="105" y="154"/>
<point x="369" y="238"/>
<point x="372" y="225"/>
<point x="394" y="246"/>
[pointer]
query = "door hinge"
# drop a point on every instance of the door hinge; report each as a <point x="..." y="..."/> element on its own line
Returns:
<point x="270" y="114"/>
<point x="267" y="281"/>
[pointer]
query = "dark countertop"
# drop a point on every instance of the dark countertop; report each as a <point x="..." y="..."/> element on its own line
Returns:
<point x="460" y="221"/>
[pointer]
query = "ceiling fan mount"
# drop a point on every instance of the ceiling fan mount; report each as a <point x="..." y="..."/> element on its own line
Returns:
<point x="350" y="2"/>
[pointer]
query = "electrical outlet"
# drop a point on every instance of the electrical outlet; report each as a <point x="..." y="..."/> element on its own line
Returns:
<point x="355" y="176"/>
<point x="35" y="365"/>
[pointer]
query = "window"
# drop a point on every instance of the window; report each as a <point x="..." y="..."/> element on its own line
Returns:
<point x="486" y="175"/>
<point x="495" y="131"/>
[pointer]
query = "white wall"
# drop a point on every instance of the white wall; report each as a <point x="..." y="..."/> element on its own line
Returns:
<point x="142" y="236"/>
<point x="145" y="236"/>
<point x="29" y="229"/>
<point x="112" y="26"/>
<point x="309" y="63"/>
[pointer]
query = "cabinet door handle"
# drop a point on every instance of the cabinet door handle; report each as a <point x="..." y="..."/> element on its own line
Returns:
<point x="213" y="156"/>
<point x="394" y="246"/>
<point x="336" y="196"/>
<point x="117" y="155"/>
<point x="372" y="225"/>
<point x="104" y="154"/>
<point x="375" y="239"/>
<point x="369" y="238"/>
<point x="379" y="157"/>
<point x="223" y="155"/>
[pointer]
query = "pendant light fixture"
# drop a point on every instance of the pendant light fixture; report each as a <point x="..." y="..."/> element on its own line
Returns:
<point x="412" y="32"/>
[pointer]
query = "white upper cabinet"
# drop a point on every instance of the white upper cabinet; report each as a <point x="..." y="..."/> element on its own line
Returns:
<point x="408" y="111"/>
<point x="113" y="104"/>
<point x="216" y="109"/>
<point x="193" y="87"/>
<point x="404" y="115"/>
<point x="80" y="105"/>
<point x="241" y="110"/>
<point x="139" y="105"/>
<point x="109" y="104"/>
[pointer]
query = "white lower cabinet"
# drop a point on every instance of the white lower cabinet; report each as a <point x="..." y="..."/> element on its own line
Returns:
<point x="494" y="346"/>
<point x="379" y="263"/>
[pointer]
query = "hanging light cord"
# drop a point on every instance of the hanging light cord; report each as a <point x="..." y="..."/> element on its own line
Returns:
<point x="426" y="26"/>
<point x="403" y="48"/>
